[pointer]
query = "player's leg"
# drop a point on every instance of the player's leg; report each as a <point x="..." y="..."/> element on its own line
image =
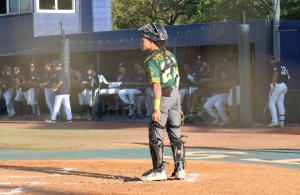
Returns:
<point x="57" y="104"/>
<point x="67" y="105"/>
<point x="273" y="99"/>
<point x="81" y="105"/>
<point x="8" y="97"/>
<point x="208" y="106"/>
<point x="19" y="100"/>
<point x="222" y="99"/>
<point x="28" y="101"/>
<point x="195" y="96"/>
<point x="48" y="97"/>
<point x="89" y="98"/>
<point x="131" y="93"/>
<point x="149" y="100"/>
<point x="175" y="137"/>
<point x="280" y="104"/>
<point x="123" y="93"/>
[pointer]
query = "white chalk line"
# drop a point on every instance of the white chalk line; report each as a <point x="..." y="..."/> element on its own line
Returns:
<point x="37" y="168"/>
<point x="36" y="176"/>
<point x="14" y="191"/>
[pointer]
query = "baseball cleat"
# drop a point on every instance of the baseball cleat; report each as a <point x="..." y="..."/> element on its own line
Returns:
<point x="154" y="176"/>
<point x="215" y="122"/>
<point x="179" y="174"/>
<point x="281" y="125"/>
<point x="89" y="117"/>
<point x="273" y="124"/>
<point x="226" y="122"/>
<point x="50" y="121"/>
<point x="68" y="121"/>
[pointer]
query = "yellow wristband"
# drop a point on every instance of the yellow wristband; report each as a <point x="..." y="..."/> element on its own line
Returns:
<point x="156" y="104"/>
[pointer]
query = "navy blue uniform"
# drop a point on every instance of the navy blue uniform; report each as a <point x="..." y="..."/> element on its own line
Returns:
<point x="125" y="78"/>
<point x="19" y="79"/>
<point x="49" y="76"/>
<point x="33" y="77"/>
<point x="281" y="69"/>
<point x="88" y="78"/>
<point x="64" y="88"/>
<point x="195" y="71"/>
<point x="229" y="73"/>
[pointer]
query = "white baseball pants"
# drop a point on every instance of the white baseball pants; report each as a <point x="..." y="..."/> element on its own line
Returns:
<point x="8" y="97"/>
<point x="88" y="97"/>
<point x="183" y="92"/>
<point x="65" y="100"/>
<point x="238" y="99"/>
<point x="81" y="97"/>
<point x="32" y="102"/>
<point x="50" y="98"/>
<point x="19" y="96"/>
<point x="278" y="97"/>
<point x="217" y="101"/>
<point x="130" y="93"/>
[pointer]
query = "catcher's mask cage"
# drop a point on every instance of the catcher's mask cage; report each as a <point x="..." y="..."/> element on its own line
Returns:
<point x="155" y="32"/>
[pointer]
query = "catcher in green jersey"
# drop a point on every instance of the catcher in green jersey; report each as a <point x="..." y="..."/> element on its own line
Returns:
<point x="162" y="70"/>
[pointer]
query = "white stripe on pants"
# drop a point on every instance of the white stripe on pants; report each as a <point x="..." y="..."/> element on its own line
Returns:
<point x="238" y="99"/>
<point x="8" y="97"/>
<point x="218" y="101"/>
<point x="50" y="98"/>
<point x="65" y="100"/>
<point x="278" y="97"/>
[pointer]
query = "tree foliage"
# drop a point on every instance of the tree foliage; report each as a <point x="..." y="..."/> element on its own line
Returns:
<point x="136" y="13"/>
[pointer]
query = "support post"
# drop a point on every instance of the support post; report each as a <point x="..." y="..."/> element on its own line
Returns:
<point x="99" y="106"/>
<point x="64" y="58"/>
<point x="234" y="101"/>
<point x="276" y="32"/>
<point x="245" y="72"/>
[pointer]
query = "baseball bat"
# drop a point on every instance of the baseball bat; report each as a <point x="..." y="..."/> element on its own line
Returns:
<point x="263" y="114"/>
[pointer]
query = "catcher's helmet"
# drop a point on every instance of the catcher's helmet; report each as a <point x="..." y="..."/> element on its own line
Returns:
<point x="268" y="60"/>
<point x="155" y="32"/>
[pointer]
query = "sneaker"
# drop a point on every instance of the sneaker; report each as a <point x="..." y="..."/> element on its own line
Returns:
<point x="148" y="116"/>
<point x="154" y="176"/>
<point x="68" y="121"/>
<point x="131" y="116"/>
<point x="12" y="116"/>
<point x="78" y="117"/>
<point x="193" y="115"/>
<point x="273" y="124"/>
<point x="281" y="125"/>
<point x="179" y="174"/>
<point x="215" y="122"/>
<point x="28" y="116"/>
<point x="50" y="121"/>
<point x="187" y="115"/>
<point x="226" y="122"/>
<point x="127" y="106"/>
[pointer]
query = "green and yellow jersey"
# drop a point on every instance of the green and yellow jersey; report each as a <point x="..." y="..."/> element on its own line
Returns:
<point x="155" y="63"/>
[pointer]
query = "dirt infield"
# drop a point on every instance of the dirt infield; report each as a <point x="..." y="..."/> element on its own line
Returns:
<point x="122" y="177"/>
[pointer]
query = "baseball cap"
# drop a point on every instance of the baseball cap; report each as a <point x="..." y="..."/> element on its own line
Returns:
<point x="220" y="59"/>
<point x="31" y="64"/>
<point x="8" y="69"/>
<point x="17" y="68"/>
<point x="58" y="64"/>
<point x="122" y="65"/>
<point x="199" y="58"/>
<point x="48" y="63"/>
<point x="203" y="69"/>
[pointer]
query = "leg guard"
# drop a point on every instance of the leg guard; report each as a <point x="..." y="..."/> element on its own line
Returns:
<point x="178" y="149"/>
<point x="156" y="145"/>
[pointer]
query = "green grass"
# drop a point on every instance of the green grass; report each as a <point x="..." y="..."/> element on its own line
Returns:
<point x="24" y="138"/>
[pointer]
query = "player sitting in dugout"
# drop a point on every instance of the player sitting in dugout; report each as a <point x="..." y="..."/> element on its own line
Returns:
<point x="122" y="77"/>
<point x="130" y="100"/>
<point x="203" y="76"/>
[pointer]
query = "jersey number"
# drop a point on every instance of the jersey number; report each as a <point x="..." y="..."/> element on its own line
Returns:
<point x="167" y="75"/>
<point x="283" y="70"/>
